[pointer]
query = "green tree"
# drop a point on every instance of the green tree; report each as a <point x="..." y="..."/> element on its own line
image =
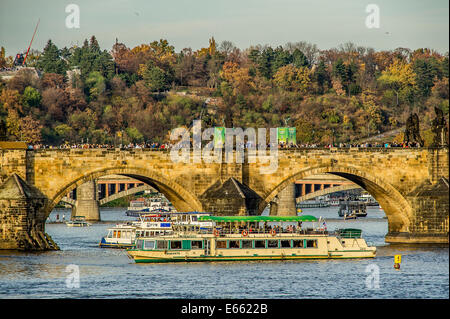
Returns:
<point x="50" y="60"/>
<point x="156" y="78"/>
<point x="31" y="97"/>
<point x="299" y="59"/>
<point x="426" y="70"/>
<point x="95" y="84"/>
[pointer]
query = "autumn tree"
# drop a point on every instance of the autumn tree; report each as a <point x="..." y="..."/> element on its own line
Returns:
<point x="291" y="78"/>
<point x="399" y="76"/>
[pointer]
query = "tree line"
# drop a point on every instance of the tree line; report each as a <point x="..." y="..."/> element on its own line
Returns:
<point x="86" y="94"/>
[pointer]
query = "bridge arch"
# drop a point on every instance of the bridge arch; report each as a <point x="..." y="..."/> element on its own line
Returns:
<point x="394" y="204"/>
<point x="174" y="192"/>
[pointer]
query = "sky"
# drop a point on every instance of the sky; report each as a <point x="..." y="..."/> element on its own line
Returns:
<point x="327" y="23"/>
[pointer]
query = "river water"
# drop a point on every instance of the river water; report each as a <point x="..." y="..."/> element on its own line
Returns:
<point x="109" y="273"/>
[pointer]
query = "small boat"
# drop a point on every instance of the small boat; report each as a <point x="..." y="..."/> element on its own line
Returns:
<point x="352" y="209"/>
<point x="350" y="216"/>
<point x="145" y="206"/>
<point x="252" y="242"/>
<point x="312" y="204"/>
<point x="368" y="200"/>
<point x="78" y="221"/>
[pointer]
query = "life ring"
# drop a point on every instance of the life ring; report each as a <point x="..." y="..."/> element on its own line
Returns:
<point x="216" y="232"/>
<point x="244" y="233"/>
<point x="273" y="232"/>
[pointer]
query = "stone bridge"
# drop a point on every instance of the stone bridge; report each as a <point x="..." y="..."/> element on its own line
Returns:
<point x="411" y="185"/>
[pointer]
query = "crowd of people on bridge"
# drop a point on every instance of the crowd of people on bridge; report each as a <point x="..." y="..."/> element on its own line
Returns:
<point x="248" y="145"/>
<point x="166" y="146"/>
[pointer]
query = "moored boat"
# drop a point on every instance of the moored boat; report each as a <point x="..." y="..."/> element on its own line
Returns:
<point x="352" y="209"/>
<point x="77" y="221"/>
<point x="252" y="242"/>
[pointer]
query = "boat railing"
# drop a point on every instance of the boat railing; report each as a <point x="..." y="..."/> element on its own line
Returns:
<point x="261" y="231"/>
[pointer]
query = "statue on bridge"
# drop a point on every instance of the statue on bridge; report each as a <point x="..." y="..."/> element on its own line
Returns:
<point x="439" y="129"/>
<point x="412" y="131"/>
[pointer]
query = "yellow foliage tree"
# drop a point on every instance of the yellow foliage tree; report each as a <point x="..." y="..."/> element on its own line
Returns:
<point x="397" y="76"/>
<point x="294" y="79"/>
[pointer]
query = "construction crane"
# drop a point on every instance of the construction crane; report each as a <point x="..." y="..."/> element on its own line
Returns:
<point x="19" y="60"/>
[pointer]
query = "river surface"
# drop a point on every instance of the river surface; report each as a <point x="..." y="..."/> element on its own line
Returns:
<point x="109" y="273"/>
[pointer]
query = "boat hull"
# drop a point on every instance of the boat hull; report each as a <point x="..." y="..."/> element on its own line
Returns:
<point x="142" y="258"/>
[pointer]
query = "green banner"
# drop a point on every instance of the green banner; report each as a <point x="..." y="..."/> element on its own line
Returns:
<point x="282" y="135"/>
<point x="292" y="135"/>
<point x="219" y="137"/>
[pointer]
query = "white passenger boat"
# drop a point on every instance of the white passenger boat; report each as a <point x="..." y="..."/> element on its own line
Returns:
<point x="252" y="242"/>
<point x="124" y="235"/>
<point x="78" y="221"/>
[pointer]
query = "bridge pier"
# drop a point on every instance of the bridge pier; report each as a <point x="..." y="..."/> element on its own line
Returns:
<point x="285" y="203"/>
<point x="87" y="203"/>
<point x="429" y="223"/>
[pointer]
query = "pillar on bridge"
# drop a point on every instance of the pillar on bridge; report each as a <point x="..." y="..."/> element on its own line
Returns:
<point x="87" y="204"/>
<point x="23" y="217"/>
<point x="286" y="202"/>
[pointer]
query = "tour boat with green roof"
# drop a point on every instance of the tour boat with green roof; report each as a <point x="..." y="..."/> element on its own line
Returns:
<point x="252" y="238"/>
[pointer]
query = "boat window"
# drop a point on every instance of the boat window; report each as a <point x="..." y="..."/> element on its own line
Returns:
<point x="194" y="218"/>
<point x="109" y="234"/>
<point x="139" y="244"/>
<point x="297" y="243"/>
<point x="149" y="244"/>
<point x="197" y="244"/>
<point x="233" y="244"/>
<point x="175" y="244"/>
<point x="161" y="244"/>
<point x="260" y="244"/>
<point x="311" y="243"/>
<point x="247" y="244"/>
<point x="285" y="244"/>
<point x="186" y="244"/>
<point x="221" y="244"/>
<point x="114" y="234"/>
<point x="272" y="244"/>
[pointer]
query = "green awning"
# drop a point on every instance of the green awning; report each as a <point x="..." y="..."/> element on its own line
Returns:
<point x="304" y="218"/>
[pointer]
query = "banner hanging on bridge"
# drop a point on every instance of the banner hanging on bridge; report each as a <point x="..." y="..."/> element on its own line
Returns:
<point x="219" y="137"/>
<point x="292" y="135"/>
<point x="282" y="135"/>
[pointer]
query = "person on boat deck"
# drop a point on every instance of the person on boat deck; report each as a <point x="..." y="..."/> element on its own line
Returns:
<point x="299" y="225"/>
